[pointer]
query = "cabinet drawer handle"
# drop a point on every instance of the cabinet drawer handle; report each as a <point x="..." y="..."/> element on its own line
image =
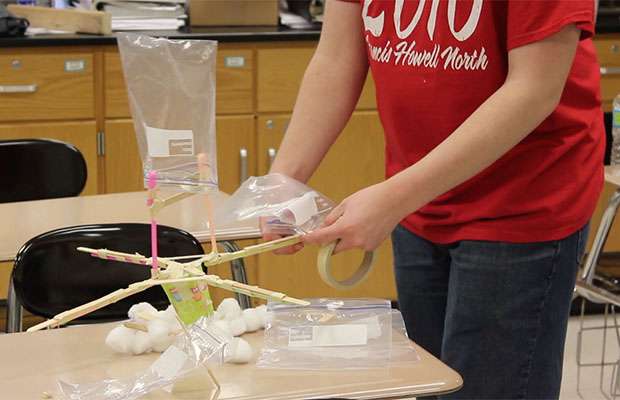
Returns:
<point x="243" y="155"/>
<point x="610" y="70"/>
<point x="18" y="88"/>
<point x="272" y="155"/>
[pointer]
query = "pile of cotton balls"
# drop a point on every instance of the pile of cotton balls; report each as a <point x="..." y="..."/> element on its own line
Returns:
<point x="159" y="328"/>
<point x="230" y="318"/>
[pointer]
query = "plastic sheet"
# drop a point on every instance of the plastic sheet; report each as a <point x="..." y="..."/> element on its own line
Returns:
<point x="290" y="206"/>
<point x="171" y="89"/>
<point x="202" y="346"/>
<point x="402" y="349"/>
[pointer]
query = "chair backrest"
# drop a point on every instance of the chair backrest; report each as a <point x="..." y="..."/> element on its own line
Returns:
<point x="50" y="276"/>
<point x="35" y="169"/>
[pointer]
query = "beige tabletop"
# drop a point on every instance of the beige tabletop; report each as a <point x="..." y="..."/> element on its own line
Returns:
<point x="21" y="221"/>
<point x="32" y="363"/>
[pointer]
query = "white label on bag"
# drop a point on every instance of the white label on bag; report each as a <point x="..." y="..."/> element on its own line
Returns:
<point x="327" y="335"/>
<point x="169" y="142"/>
<point x="373" y="325"/>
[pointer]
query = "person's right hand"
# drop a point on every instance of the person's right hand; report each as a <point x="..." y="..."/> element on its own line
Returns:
<point x="268" y="236"/>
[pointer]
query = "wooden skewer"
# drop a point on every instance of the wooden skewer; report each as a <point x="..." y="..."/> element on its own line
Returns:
<point x="252" y="250"/>
<point x="143" y="328"/>
<point x="94" y="305"/>
<point x="117" y="255"/>
<point x="158" y="204"/>
<point x="207" y="260"/>
<point x="146" y="315"/>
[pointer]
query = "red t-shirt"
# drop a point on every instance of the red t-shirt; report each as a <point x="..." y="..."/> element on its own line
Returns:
<point x="444" y="60"/>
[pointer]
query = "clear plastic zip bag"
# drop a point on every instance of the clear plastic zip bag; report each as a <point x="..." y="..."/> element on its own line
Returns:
<point x="202" y="346"/>
<point x="171" y="90"/>
<point x="289" y="205"/>
<point x="329" y="334"/>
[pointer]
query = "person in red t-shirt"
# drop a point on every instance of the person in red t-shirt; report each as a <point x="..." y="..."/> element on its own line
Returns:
<point x="494" y="164"/>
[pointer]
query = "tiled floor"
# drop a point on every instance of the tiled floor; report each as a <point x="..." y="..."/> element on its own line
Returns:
<point x="591" y="378"/>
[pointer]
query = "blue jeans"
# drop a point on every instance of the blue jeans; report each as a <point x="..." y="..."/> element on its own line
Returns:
<point x="495" y="312"/>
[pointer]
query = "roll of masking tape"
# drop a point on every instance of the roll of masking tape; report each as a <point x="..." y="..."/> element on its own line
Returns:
<point x="364" y="270"/>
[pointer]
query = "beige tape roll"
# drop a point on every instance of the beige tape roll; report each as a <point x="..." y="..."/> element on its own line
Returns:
<point x="364" y="270"/>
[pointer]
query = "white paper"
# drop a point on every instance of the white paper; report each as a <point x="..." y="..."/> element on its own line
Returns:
<point x="301" y="210"/>
<point x="169" y="142"/>
<point x="328" y="335"/>
<point x="372" y="324"/>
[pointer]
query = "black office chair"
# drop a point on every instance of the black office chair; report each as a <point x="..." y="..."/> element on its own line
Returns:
<point x="36" y="169"/>
<point x="50" y="276"/>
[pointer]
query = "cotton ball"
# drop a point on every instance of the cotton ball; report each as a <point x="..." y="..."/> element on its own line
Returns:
<point x="159" y="330"/>
<point x="217" y="315"/>
<point x="251" y="316"/>
<point x="238" y="327"/>
<point x="169" y="314"/>
<point x="232" y="314"/>
<point x="228" y="305"/>
<point x="239" y="351"/>
<point x="223" y="325"/>
<point x="142" y="343"/>
<point x="121" y="339"/>
<point x="262" y="312"/>
<point x="175" y="326"/>
<point x="141" y="307"/>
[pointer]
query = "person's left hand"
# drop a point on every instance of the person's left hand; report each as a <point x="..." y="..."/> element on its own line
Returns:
<point x="362" y="220"/>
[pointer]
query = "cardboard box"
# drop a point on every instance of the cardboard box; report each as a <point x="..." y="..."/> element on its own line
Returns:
<point x="233" y="12"/>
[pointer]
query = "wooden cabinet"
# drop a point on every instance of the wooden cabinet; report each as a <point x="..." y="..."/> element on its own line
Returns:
<point x="123" y="165"/>
<point x="46" y="85"/>
<point x="49" y="93"/>
<point x="280" y="69"/>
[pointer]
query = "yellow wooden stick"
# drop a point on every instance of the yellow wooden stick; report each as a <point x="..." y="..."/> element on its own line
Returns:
<point x="94" y="305"/>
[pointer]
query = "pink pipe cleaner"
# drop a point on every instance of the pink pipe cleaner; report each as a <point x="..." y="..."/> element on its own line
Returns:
<point x="149" y="202"/>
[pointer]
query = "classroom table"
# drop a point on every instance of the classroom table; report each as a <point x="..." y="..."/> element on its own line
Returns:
<point x="24" y="220"/>
<point x="21" y="221"/>
<point x="33" y="362"/>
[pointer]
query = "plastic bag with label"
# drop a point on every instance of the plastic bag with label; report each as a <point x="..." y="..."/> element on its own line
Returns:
<point x="335" y="334"/>
<point x="171" y="90"/>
